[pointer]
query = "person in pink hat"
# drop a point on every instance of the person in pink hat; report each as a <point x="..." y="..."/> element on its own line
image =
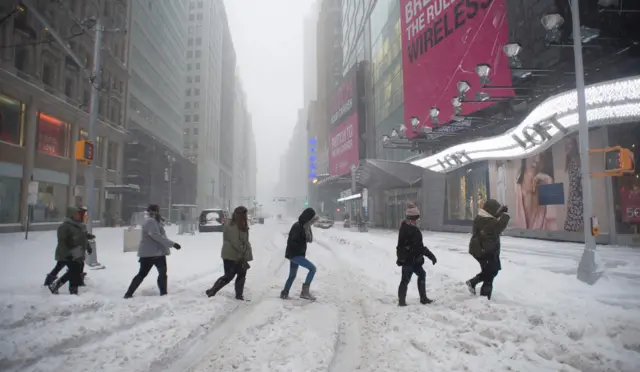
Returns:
<point x="410" y="253"/>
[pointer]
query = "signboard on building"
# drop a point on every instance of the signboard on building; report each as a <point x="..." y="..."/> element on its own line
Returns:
<point x="443" y="42"/>
<point x="345" y="119"/>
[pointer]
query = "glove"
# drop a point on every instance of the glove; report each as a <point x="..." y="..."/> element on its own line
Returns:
<point x="90" y="236"/>
<point x="89" y="250"/>
<point x="177" y="246"/>
<point x="434" y="260"/>
<point x="399" y="263"/>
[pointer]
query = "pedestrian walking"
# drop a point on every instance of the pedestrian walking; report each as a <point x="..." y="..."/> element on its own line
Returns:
<point x="299" y="236"/>
<point x="153" y="250"/>
<point x="484" y="245"/>
<point x="72" y="247"/>
<point x="410" y="256"/>
<point x="236" y="253"/>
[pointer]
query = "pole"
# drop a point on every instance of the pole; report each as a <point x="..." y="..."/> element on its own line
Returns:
<point x="587" y="266"/>
<point x="170" y="182"/>
<point x="96" y="81"/>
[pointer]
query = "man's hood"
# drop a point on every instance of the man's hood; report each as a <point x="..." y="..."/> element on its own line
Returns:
<point x="306" y="216"/>
<point x="492" y="206"/>
<point x="71" y="211"/>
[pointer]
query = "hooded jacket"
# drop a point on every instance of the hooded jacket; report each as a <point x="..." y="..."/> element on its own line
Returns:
<point x="297" y="240"/>
<point x="487" y="227"/>
<point x="154" y="241"/>
<point x="411" y="250"/>
<point x="73" y="243"/>
<point x="235" y="243"/>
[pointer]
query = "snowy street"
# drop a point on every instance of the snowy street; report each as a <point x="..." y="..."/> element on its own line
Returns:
<point x="540" y="319"/>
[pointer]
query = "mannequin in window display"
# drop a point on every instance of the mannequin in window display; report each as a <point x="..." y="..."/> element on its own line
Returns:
<point x="529" y="214"/>
<point x="501" y="182"/>
<point x="573" y="221"/>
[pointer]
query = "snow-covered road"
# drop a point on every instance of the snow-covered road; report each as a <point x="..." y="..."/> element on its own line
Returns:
<point x="541" y="319"/>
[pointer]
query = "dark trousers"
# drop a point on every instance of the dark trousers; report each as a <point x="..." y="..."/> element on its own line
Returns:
<point x="407" y="273"/>
<point x="146" y="263"/>
<point x="73" y="274"/>
<point x="56" y="270"/>
<point x="489" y="268"/>
<point x="231" y="270"/>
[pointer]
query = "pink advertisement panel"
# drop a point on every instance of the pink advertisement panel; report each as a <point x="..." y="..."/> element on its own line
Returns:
<point x="344" y="146"/>
<point x="443" y="41"/>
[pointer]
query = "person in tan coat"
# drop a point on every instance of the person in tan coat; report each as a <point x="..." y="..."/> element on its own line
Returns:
<point x="236" y="253"/>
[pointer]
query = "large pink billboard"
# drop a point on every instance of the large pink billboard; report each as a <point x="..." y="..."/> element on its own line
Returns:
<point x="344" y="146"/>
<point x="443" y="41"/>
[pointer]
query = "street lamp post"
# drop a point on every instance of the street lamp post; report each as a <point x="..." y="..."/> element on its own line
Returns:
<point x="587" y="268"/>
<point x="171" y="160"/>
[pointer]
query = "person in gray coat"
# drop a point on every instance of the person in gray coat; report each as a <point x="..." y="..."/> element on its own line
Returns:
<point x="153" y="251"/>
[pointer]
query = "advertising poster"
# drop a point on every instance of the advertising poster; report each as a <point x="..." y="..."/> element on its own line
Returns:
<point x="344" y="146"/>
<point x="443" y="41"/>
<point x="544" y="191"/>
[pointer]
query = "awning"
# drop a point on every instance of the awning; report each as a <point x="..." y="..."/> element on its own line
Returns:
<point x="387" y="175"/>
<point x="119" y="189"/>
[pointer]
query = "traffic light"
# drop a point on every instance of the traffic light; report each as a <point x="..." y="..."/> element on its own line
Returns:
<point x="84" y="151"/>
<point x="618" y="159"/>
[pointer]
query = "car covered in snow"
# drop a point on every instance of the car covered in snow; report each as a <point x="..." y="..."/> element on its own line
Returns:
<point x="212" y="220"/>
<point x="323" y="223"/>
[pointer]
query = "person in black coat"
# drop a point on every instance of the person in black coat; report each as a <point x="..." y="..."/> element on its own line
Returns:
<point x="299" y="235"/>
<point x="484" y="245"/>
<point x="410" y="252"/>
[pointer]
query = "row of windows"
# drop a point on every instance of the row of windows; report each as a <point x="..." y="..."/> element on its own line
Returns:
<point x="198" y="41"/>
<point x="196" y="92"/>
<point x="190" y="66"/>
<point x="192" y="17"/>
<point x="196" y="104"/>
<point x="193" y="79"/>
<point x="193" y="130"/>
<point x="196" y="118"/>
<point x="198" y="54"/>
<point x="197" y="28"/>
<point x="192" y="5"/>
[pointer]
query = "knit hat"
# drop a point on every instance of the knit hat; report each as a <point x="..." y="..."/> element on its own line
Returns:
<point x="413" y="213"/>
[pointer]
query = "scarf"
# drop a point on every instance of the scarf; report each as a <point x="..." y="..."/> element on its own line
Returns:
<point x="307" y="231"/>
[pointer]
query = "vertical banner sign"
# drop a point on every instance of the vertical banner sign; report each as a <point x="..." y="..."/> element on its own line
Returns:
<point x="443" y="41"/>
<point x="313" y="159"/>
<point x="344" y="114"/>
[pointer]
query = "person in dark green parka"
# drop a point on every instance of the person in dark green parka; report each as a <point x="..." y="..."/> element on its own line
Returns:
<point x="73" y="245"/>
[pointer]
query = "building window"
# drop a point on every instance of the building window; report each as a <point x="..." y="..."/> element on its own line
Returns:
<point x="191" y="17"/>
<point x="195" y="131"/>
<point x="22" y="60"/>
<point x="189" y="79"/>
<point x="198" y="41"/>
<point x="190" y="31"/>
<point x="53" y="136"/>
<point x="198" y="30"/>
<point x="187" y="118"/>
<point x="48" y="74"/>
<point x="51" y="203"/>
<point x="186" y="132"/>
<point x="199" y="4"/>
<point x="196" y="104"/>
<point x="69" y="87"/>
<point x="199" y="17"/>
<point x="196" y="92"/>
<point x="190" y="42"/>
<point x="196" y="118"/>
<point x="187" y="105"/>
<point x="198" y="54"/>
<point x="198" y="66"/>
<point x="197" y="78"/>
<point x="190" y="54"/>
<point x="112" y="155"/>
<point x="10" y="199"/>
<point x="466" y="191"/>
<point x="189" y="92"/>
<point x="189" y="67"/>
<point x="11" y="120"/>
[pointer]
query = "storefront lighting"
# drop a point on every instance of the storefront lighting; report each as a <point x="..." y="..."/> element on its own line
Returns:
<point x="457" y="105"/>
<point x="482" y="96"/>
<point x="434" y="112"/>
<point x="385" y="139"/>
<point x="463" y="88"/>
<point x="50" y="119"/>
<point x="394" y="133"/>
<point x="608" y="103"/>
<point x="588" y="34"/>
<point x="552" y="23"/>
<point x="512" y="50"/>
<point x="483" y="71"/>
<point x="415" y="122"/>
<point x="402" y="130"/>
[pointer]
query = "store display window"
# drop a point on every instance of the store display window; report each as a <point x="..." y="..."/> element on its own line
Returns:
<point x="466" y="191"/>
<point x="53" y="136"/>
<point x="11" y="120"/>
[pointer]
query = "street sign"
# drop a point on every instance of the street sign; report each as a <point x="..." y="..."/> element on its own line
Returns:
<point x="33" y="192"/>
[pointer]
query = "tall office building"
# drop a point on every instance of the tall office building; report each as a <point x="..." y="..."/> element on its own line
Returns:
<point x="153" y="156"/>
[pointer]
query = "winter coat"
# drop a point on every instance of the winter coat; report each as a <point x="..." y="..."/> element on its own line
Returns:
<point x="235" y="243"/>
<point x="411" y="249"/>
<point x="73" y="243"/>
<point x="487" y="227"/>
<point x="154" y="241"/>
<point x="297" y="240"/>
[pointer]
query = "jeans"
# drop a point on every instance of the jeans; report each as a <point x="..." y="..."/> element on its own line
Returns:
<point x="231" y="269"/>
<point x="409" y="270"/>
<point x="293" y="271"/>
<point x="73" y="274"/>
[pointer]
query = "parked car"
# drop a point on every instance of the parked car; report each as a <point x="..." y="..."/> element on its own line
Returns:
<point x="212" y="220"/>
<point x="323" y="223"/>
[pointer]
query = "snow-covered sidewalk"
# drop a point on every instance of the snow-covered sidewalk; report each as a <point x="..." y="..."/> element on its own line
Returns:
<point x="542" y="318"/>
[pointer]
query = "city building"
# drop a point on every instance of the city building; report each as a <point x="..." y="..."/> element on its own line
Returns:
<point x="227" y="99"/>
<point x="293" y="182"/>
<point x="202" y="105"/>
<point x="155" y="170"/>
<point x="244" y="171"/>
<point x="44" y="105"/>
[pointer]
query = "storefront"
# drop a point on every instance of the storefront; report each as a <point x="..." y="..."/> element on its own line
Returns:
<point x="535" y="169"/>
<point x="11" y="132"/>
<point x="53" y="136"/>
<point x="11" y="120"/>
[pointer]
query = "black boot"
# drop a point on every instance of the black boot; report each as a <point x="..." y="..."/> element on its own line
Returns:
<point x="422" y="290"/>
<point x="218" y="285"/>
<point x="162" y="285"/>
<point x="55" y="286"/>
<point x="472" y="283"/>
<point x="239" y="284"/>
<point x="284" y="294"/>
<point x="486" y="290"/>
<point x="73" y="290"/>
<point x="402" y="295"/>
<point x="135" y="283"/>
<point x="50" y="279"/>
<point x="82" y="284"/>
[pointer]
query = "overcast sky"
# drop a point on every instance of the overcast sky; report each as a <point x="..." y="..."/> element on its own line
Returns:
<point x="268" y="40"/>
